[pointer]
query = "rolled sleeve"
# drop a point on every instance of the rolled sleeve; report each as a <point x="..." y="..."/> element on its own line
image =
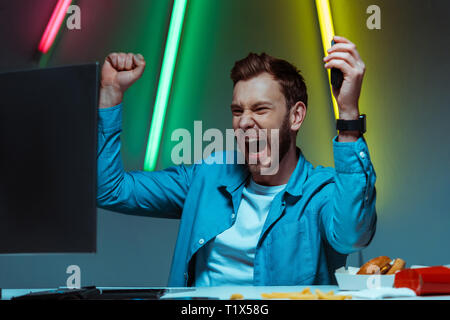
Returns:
<point x="110" y="119"/>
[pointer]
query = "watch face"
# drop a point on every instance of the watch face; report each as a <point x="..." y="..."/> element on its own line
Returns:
<point x="363" y="123"/>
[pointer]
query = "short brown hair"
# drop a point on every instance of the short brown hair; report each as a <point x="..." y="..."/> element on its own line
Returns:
<point x="288" y="76"/>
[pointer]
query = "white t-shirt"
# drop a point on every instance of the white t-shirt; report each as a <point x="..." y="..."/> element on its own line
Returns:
<point x="228" y="258"/>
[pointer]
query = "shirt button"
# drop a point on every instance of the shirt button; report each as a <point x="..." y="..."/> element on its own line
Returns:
<point x="185" y="275"/>
<point x="201" y="241"/>
<point x="362" y="154"/>
<point x="233" y="215"/>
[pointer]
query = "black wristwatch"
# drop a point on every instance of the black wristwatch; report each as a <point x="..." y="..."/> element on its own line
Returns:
<point x="352" y="125"/>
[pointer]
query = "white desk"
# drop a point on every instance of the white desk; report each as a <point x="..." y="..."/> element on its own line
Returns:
<point x="250" y="293"/>
<point x="222" y="293"/>
<point x="254" y="293"/>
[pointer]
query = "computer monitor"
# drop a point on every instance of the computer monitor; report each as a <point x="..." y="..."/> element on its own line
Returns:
<point x="48" y="148"/>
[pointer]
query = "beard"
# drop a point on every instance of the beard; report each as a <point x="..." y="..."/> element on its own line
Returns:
<point x="284" y="143"/>
<point x="285" y="138"/>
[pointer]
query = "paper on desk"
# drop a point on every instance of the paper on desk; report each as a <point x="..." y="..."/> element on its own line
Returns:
<point x="347" y="279"/>
<point x="382" y="293"/>
<point x="349" y="270"/>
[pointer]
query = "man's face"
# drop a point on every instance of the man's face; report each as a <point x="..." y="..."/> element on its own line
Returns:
<point x="259" y="104"/>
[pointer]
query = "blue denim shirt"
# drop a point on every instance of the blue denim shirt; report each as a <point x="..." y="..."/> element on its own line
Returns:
<point x="321" y="216"/>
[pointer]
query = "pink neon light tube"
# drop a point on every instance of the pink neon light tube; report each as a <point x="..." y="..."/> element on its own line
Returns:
<point x="53" y="25"/>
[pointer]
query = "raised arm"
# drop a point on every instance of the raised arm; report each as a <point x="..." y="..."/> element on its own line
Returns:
<point x="348" y="213"/>
<point x="158" y="193"/>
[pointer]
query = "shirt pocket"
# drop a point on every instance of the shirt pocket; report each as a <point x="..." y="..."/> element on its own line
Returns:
<point x="290" y="254"/>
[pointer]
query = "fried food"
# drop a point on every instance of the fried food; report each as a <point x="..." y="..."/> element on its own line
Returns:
<point x="397" y="265"/>
<point x="382" y="265"/>
<point x="378" y="265"/>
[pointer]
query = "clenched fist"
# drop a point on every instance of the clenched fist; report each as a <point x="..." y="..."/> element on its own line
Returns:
<point x="119" y="72"/>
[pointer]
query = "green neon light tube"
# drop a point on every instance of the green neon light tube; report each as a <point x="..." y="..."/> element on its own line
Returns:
<point x="165" y="84"/>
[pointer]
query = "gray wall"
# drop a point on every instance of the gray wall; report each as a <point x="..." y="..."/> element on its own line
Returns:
<point x="405" y="96"/>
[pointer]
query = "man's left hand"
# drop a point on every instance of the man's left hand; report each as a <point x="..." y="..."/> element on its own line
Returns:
<point x="344" y="56"/>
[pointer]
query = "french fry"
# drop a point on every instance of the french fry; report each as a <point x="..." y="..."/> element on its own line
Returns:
<point x="305" y="294"/>
<point x="331" y="296"/>
<point x="236" y="296"/>
<point x="279" y="295"/>
<point x="306" y="291"/>
<point x="305" y="297"/>
<point x="322" y="295"/>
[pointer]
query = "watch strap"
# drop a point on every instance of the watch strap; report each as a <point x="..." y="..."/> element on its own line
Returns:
<point x="352" y="125"/>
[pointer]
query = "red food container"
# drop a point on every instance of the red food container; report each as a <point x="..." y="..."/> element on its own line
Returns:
<point x="424" y="281"/>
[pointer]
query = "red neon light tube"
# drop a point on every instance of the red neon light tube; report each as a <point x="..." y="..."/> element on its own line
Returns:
<point x="53" y="25"/>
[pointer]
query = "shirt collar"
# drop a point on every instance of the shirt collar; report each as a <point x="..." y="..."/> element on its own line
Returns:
<point x="298" y="177"/>
<point x="236" y="174"/>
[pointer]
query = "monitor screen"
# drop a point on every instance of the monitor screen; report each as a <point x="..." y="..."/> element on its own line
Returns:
<point x="48" y="141"/>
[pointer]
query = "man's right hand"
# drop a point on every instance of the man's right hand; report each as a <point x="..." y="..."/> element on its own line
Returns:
<point x="119" y="72"/>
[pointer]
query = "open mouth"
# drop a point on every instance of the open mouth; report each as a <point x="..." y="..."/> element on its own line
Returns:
<point x="255" y="148"/>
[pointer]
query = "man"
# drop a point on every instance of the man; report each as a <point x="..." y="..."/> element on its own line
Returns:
<point x="294" y="226"/>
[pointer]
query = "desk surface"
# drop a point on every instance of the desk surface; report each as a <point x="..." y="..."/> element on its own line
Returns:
<point x="221" y="293"/>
